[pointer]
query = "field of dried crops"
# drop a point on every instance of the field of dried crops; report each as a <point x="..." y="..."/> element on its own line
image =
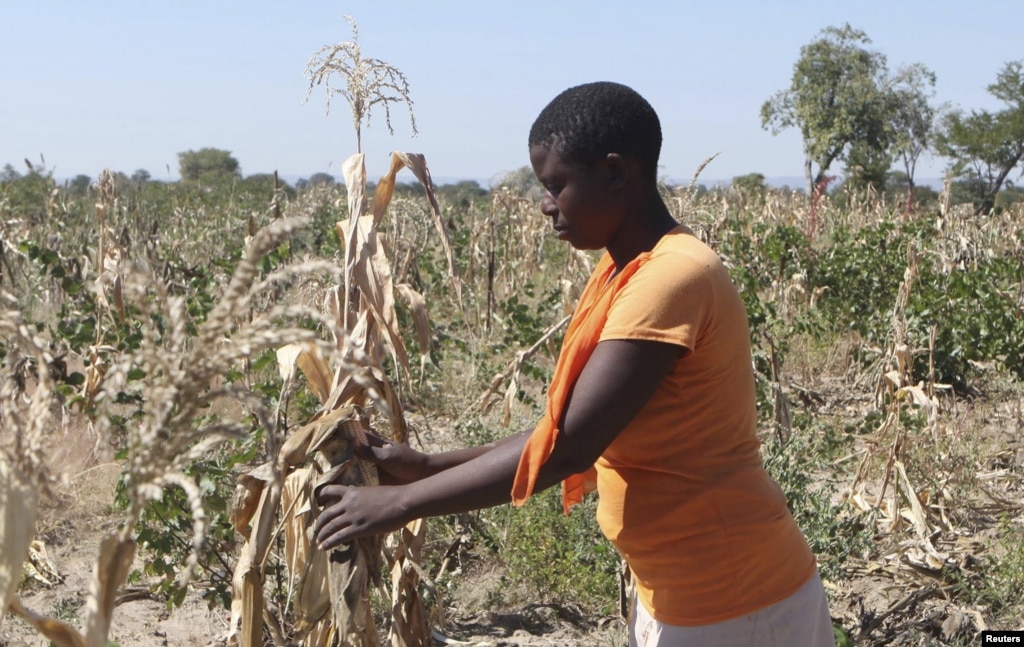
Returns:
<point x="182" y="364"/>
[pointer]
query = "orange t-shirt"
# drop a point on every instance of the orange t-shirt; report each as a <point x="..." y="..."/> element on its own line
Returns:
<point x="683" y="493"/>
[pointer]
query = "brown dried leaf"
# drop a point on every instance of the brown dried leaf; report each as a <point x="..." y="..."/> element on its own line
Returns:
<point x="307" y="358"/>
<point x="917" y="514"/>
<point x="109" y="574"/>
<point x="247" y="580"/>
<point x="59" y="633"/>
<point x="247" y="495"/>
<point x="18" y="500"/>
<point x="418" y="165"/>
<point x="307" y="566"/>
<point x="370" y="271"/>
<point x="418" y="306"/>
<point x="410" y="626"/>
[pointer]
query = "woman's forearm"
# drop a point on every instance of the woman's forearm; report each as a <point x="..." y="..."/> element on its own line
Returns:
<point x="480" y="482"/>
<point x="435" y="463"/>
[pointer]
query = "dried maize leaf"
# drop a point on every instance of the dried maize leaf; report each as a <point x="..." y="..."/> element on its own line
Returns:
<point x="371" y="273"/>
<point x="18" y="500"/>
<point x="288" y="360"/>
<point x="301" y="443"/>
<point x="352" y="567"/>
<point x="399" y="429"/>
<point x="109" y="575"/>
<point x="119" y="298"/>
<point x="307" y="358"/>
<point x="418" y="165"/>
<point x="385" y="189"/>
<point x="247" y="495"/>
<point x="409" y="626"/>
<point x="39" y="567"/>
<point x="238" y="592"/>
<point x="295" y="450"/>
<point x="321" y="635"/>
<point x="59" y="633"/>
<point x="94" y="376"/>
<point x="247" y="581"/>
<point x="348" y="390"/>
<point x="307" y="567"/>
<point x="318" y="373"/>
<point x="421" y="320"/>
<point x="917" y="513"/>
<point x="353" y="170"/>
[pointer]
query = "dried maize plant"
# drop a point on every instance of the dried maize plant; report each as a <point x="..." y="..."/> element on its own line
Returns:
<point x="108" y="288"/>
<point x="26" y="418"/>
<point x="330" y="591"/>
<point x="171" y="430"/>
<point x="894" y="390"/>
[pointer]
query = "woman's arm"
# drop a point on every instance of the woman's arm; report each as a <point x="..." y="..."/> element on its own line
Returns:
<point x="618" y="380"/>
<point x="401" y="464"/>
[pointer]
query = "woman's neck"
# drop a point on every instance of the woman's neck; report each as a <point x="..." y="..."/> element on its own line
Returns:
<point x="641" y="231"/>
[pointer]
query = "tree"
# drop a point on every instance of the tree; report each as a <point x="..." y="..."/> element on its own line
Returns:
<point x="9" y="173"/>
<point x="837" y="99"/>
<point x="263" y="186"/>
<point x="141" y="176"/>
<point x="324" y="179"/>
<point x="462" y="194"/>
<point x="751" y="185"/>
<point x="986" y="147"/>
<point x="913" y="120"/>
<point x="209" y="165"/>
<point x="79" y="184"/>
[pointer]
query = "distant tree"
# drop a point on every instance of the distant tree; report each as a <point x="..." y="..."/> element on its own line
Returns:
<point x="9" y="173"/>
<point x="521" y="181"/>
<point x="79" y="185"/>
<point x="1010" y="195"/>
<point x="986" y="147"/>
<point x="866" y="168"/>
<point x="461" y="194"/>
<point x="325" y="179"/>
<point x="27" y="196"/>
<point x="262" y="186"/>
<point x="209" y="165"/>
<point x="913" y="120"/>
<point x="838" y="98"/>
<point x="897" y="188"/>
<point x="751" y="185"/>
<point x="141" y="176"/>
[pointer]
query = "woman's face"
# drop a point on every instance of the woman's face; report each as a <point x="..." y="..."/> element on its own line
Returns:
<point x="578" y="198"/>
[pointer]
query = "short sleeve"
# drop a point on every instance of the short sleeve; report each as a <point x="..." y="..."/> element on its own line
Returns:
<point x="669" y="299"/>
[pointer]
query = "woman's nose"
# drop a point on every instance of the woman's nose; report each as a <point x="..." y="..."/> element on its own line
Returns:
<point x="547" y="206"/>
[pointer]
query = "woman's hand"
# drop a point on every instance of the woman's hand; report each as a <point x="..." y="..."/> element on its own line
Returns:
<point x="398" y="463"/>
<point x="353" y="512"/>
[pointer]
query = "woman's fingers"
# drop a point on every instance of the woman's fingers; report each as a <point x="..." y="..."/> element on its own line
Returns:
<point x="332" y="518"/>
<point x="354" y="512"/>
<point x="330" y="531"/>
<point x="329" y="494"/>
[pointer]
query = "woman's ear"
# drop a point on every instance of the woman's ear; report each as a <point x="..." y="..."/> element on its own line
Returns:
<point x="618" y="170"/>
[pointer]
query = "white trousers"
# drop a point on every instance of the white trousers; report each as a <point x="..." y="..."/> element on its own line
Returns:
<point x="801" y="620"/>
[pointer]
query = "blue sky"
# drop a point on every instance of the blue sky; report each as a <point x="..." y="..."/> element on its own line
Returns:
<point x="128" y="85"/>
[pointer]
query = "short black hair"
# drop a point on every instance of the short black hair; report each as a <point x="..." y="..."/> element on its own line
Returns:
<point x="589" y="121"/>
